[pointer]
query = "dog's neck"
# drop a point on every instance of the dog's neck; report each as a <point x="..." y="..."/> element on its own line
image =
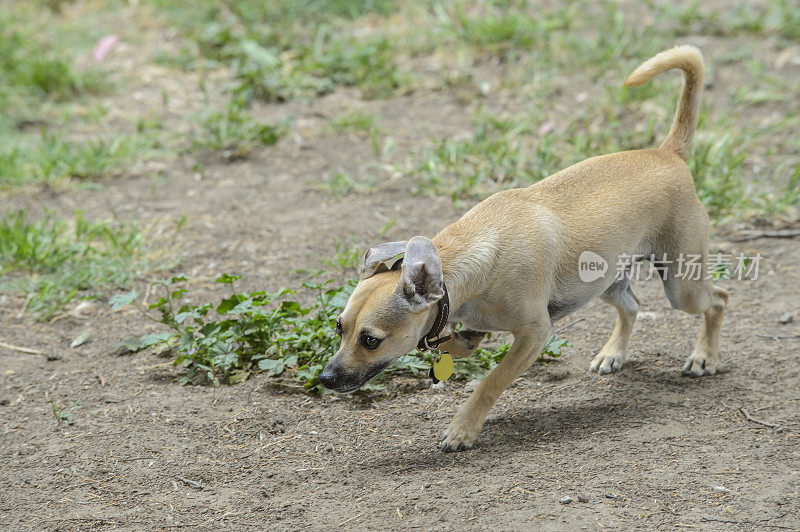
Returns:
<point x="465" y="265"/>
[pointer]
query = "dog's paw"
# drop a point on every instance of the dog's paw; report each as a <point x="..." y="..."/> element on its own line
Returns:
<point x="699" y="365"/>
<point x="604" y="363"/>
<point x="459" y="435"/>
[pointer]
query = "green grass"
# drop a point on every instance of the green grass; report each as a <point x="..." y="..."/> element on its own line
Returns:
<point x="53" y="260"/>
<point x="356" y="121"/>
<point x="38" y="81"/>
<point x="506" y="152"/>
<point x="499" y="28"/>
<point x="31" y="69"/>
<point x="347" y="257"/>
<point x="779" y="18"/>
<point x="716" y="165"/>
<point x="49" y="158"/>
<point x="232" y="131"/>
<point x="280" y="50"/>
<point x="61" y="413"/>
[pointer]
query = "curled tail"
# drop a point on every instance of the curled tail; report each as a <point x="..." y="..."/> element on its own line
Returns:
<point x="688" y="59"/>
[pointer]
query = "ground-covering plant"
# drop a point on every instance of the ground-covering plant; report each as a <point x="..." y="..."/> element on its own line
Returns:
<point x="504" y="151"/>
<point x="31" y="69"/>
<point x="282" y="49"/>
<point x="53" y="260"/>
<point x="232" y="131"/>
<point x="247" y="332"/>
<point x="39" y="78"/>
<point x="62" y="412"/>
<point x="49" y="158"/>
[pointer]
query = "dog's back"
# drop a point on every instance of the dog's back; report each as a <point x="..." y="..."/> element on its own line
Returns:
<point x="635" y="202"/>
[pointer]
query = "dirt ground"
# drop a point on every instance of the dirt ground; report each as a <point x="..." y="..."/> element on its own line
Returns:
<point x="645" y="447"/>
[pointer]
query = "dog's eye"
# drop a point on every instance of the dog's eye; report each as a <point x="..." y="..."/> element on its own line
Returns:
<point x="370" y="342"/>
<point x="339" y="327"/>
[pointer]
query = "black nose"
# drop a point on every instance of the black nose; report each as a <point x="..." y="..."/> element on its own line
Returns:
<point x="328" y="378"/>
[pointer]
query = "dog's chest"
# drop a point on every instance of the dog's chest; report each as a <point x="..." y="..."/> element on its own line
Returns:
<point x="476" y="315"/>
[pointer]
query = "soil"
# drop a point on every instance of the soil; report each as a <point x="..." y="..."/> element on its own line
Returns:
<point x="643" y="448"/>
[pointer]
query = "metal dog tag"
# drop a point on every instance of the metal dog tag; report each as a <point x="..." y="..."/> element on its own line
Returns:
<point x="442" y="367"/>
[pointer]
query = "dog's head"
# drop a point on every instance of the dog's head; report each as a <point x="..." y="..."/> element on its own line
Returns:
<point x="389" y="311"/>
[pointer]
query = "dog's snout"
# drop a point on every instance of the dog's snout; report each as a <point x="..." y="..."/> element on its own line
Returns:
<point x="328" y="378"/>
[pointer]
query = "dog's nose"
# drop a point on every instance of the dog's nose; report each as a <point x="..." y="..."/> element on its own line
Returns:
<point x="328" y="378"/>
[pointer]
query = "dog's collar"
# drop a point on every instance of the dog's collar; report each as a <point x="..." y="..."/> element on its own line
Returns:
<point x="432" y="340"/>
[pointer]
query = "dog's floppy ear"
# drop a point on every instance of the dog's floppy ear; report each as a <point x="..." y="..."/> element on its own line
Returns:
<point x="382" y="258"/>
<point x="421" y="280"/>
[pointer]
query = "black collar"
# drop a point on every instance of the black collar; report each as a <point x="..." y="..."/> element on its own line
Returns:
<point x="432" y="339"/>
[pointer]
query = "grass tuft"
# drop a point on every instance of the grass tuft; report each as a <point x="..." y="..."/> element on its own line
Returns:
<point x="53" y="260"/>
<point x="233" y="132"/>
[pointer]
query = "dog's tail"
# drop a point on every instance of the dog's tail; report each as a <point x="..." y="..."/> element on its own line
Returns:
<point x="688" y="59"/>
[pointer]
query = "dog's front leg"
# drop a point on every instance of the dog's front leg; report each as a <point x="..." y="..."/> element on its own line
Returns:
<point x="467" y="423"/>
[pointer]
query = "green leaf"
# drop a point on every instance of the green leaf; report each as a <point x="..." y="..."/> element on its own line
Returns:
<point x="122" y="300"/>
<point x="149" y="340"/>
<point x="271" y="366"/>
<point x="226" y="305"/>
<point x="238" y="376"/>
<point x="227" y="279"/>
<point x="137" y="343"/>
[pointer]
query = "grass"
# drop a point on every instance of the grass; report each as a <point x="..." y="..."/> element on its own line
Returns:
<point x="50" y="159"/>
<point x="31" y="69"/>
<point x="38" y="80"/>
<point x="232" y="131"/>
<point x="509" y="151"/>
<point x="356" y="121"/>
<point x="61" y="413"/>
<point x="305" y="49"/>
<point x="774" y="17"/>
<point x="347" y="257"/>
<point x="280" y="50"/>
<point x="340" y="182"/>
<point x="505" y="152"/>
<point x="52" y="260"/>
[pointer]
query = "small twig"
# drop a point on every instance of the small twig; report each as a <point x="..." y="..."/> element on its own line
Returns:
<point x="191" y="483"/>
<point x="762" y="522"/>
<point x="783" y="233"/>
<point x="351" y="519"/>
<point x="147" y="295"/>
<point x="754" y="420"/>
<point x="568" y="325"/>
<point x="78" y="485"/>
<point x="777" y="337"/>
<point x="19" y="349"/>
<point x="24" y="307"/>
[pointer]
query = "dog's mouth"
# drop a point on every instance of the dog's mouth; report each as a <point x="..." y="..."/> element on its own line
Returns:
<point x="349" y="382"/>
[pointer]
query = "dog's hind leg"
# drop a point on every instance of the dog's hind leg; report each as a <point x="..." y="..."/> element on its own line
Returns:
<point x="528" y="344"/>
<point x="612" y="356"/>
<point x="691" y="291"/>
<point x="697" y="296"/>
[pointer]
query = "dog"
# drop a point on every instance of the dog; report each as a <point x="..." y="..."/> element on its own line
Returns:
<point x="512" y="263"/>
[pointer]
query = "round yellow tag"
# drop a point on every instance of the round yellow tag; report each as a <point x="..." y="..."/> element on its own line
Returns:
<point x="443" y="366"/>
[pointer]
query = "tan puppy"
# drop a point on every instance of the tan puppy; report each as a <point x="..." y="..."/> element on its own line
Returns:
<point x="512" y="264"/>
